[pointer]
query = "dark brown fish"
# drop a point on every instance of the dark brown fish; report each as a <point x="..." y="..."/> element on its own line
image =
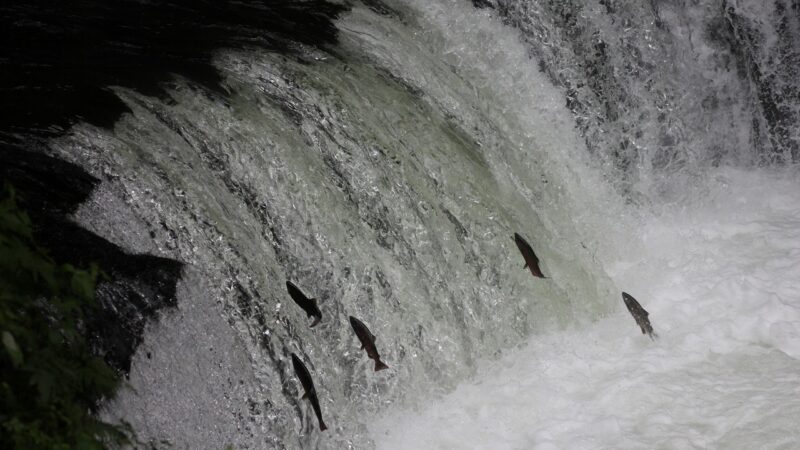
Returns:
<point x="639" y="314"/>
<point x="308" y="386"/>
<point x="531" y="261"/>
<point x="309" y="305"/>
<point x="367" y="342"/>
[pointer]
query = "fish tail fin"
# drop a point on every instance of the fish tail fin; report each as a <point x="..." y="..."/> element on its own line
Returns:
<point x="315" y="322"/>
<point x="322" y="426"/>
<point x="379" y="365"/>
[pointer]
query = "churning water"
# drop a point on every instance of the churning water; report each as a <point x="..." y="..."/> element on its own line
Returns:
<point x="386" y="175"/>
<point x="720" y="283"/>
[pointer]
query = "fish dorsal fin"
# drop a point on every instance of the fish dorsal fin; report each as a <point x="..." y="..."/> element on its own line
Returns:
<point x="362" y="346"/>
<point x="526" y="265"/>
<point x="305" y="396"/>
<point x="374" y="338"/>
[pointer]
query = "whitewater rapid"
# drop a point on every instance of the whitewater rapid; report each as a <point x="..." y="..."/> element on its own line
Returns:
<point x="720" y="280"/>
<point x="385" y="177"/>
<point x="386" y="173"/>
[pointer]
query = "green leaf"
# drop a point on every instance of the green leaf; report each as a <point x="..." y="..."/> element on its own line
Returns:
<point x="51" y="382"/>
<point x="12" y="349"/>
<point x="44" y="381"/>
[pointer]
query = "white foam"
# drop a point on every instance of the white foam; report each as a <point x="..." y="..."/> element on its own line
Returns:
<point x="721" y="280"/>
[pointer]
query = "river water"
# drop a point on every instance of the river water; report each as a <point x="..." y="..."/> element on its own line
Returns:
<point x="649" y="147"/>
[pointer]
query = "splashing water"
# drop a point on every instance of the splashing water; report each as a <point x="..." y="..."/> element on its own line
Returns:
<point x="720" y="285"/>
<point x="387" y="175"/>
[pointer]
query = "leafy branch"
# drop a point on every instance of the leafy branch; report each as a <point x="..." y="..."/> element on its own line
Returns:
<point x="50" y="382"/>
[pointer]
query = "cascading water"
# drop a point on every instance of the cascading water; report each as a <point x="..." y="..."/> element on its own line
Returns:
<point x="386" y="175"/>
<point x="668" y="96"/>
<point x="662" y="90"/>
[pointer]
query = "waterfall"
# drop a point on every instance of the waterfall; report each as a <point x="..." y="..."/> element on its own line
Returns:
<point x="386" y="196"/>
<point x="384" y="169"/>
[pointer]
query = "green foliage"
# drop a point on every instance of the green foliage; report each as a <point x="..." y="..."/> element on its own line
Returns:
<point x="49" y="380"/>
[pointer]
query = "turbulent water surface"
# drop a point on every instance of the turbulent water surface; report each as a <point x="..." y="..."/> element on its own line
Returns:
<point x="385" y="175"/>
<point x="720" y="284"/>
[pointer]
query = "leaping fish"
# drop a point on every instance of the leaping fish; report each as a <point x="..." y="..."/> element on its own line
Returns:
<point x="308" y="386"/>
<point x="367" y="342"/>
<point x="639" y="314"/>
<point x="309" y="305"/>
<point x="531" y="261"/>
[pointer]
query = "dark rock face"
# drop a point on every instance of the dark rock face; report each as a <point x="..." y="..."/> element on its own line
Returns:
<point x="138" y="286"/>
<point x="59" y="58"/>
<point x="58" y="62"/>
<point x="482" y="3"/>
